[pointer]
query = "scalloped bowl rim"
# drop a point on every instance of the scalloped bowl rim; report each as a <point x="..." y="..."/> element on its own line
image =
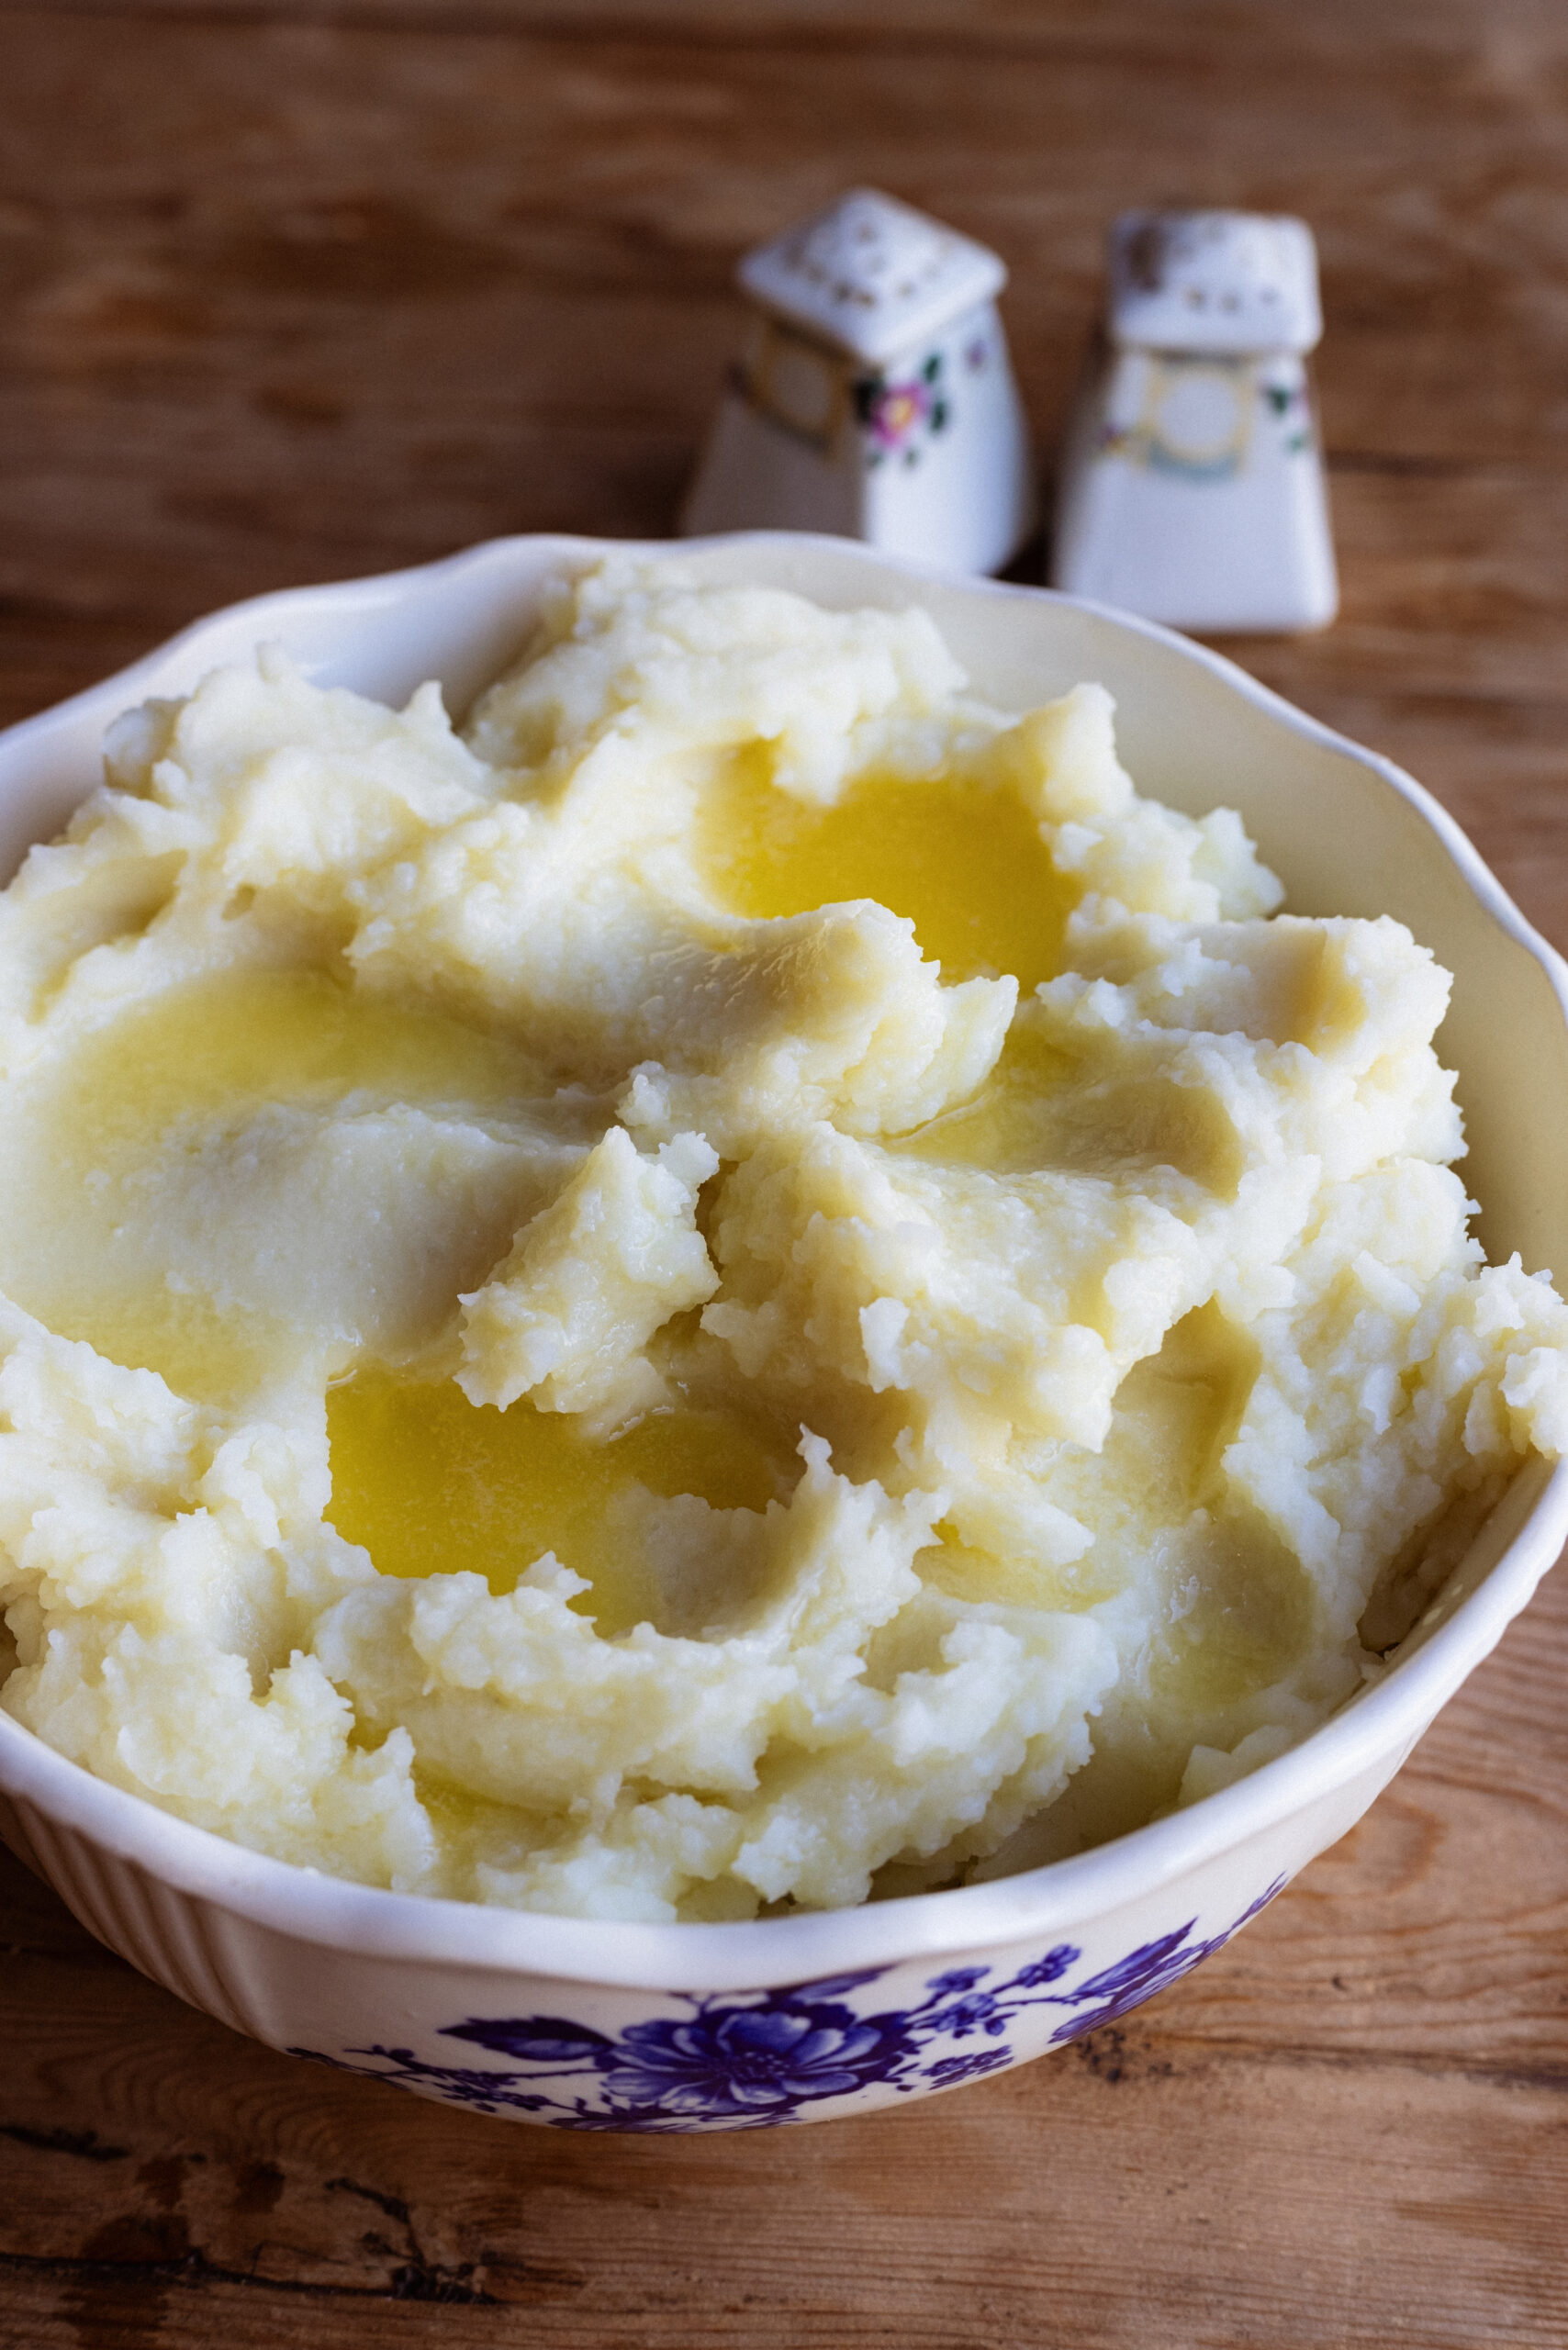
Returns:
<point x="312" y="1907"/>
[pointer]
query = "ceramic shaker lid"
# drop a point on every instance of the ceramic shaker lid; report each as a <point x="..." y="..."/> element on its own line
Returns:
<point x="1213" y="282"/>
<point x="870" y="276"/>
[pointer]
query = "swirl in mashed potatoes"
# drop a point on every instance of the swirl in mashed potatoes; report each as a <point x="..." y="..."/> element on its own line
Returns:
<point x="747" y="1281"/>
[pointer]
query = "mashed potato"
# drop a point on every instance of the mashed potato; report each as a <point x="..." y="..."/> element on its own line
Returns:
<point x="749" y="1281"/>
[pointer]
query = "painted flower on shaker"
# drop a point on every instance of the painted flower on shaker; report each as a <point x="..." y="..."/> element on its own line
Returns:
<point x="894" y="411"/>
<point x="894" y="416"/>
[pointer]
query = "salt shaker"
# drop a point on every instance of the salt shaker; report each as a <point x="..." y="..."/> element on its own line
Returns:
<point x="1192" y="487"/>
<point x="873" y="396"/>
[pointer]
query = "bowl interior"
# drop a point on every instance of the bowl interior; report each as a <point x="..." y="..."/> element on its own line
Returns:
<point x="1347" y="833"/>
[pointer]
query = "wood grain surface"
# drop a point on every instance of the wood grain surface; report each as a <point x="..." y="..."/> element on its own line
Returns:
<point x="292" y="291"/>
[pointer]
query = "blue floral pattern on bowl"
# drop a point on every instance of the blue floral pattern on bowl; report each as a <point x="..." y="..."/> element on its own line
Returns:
<point x="749" y="2060"/>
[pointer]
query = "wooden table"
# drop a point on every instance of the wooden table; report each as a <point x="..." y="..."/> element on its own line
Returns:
<point x="294" y="291"/>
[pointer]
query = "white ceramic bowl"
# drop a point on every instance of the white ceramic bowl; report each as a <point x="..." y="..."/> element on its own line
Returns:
<point x="660" y="2028"/>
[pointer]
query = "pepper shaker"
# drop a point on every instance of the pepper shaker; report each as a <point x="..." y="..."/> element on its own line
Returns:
<point x="1192" y="484"/>
<point x="874" y="396"/>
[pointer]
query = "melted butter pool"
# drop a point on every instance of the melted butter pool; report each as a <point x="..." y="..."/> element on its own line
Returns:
<point x="92" y="1151"/>
<point x="239" y="1038"/>
<point x="432" y="1485"/>
<point x="963" y="862"/>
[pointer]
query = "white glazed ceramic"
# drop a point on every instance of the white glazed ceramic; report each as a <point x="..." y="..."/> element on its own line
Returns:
<point x="1192" y="484"/>
<point x="663" y="2028"/>
<point x="874" y="395"/>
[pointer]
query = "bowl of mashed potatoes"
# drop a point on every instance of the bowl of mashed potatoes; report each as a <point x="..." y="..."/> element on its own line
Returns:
<point x="745" y="1361"/>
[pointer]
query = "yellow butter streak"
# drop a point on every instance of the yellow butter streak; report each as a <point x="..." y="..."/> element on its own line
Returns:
<point x="236" y="1038"/>
<point x="432" y="1485"/>
<point x="962" y="860"/>
<point x="209" y="1047"/>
